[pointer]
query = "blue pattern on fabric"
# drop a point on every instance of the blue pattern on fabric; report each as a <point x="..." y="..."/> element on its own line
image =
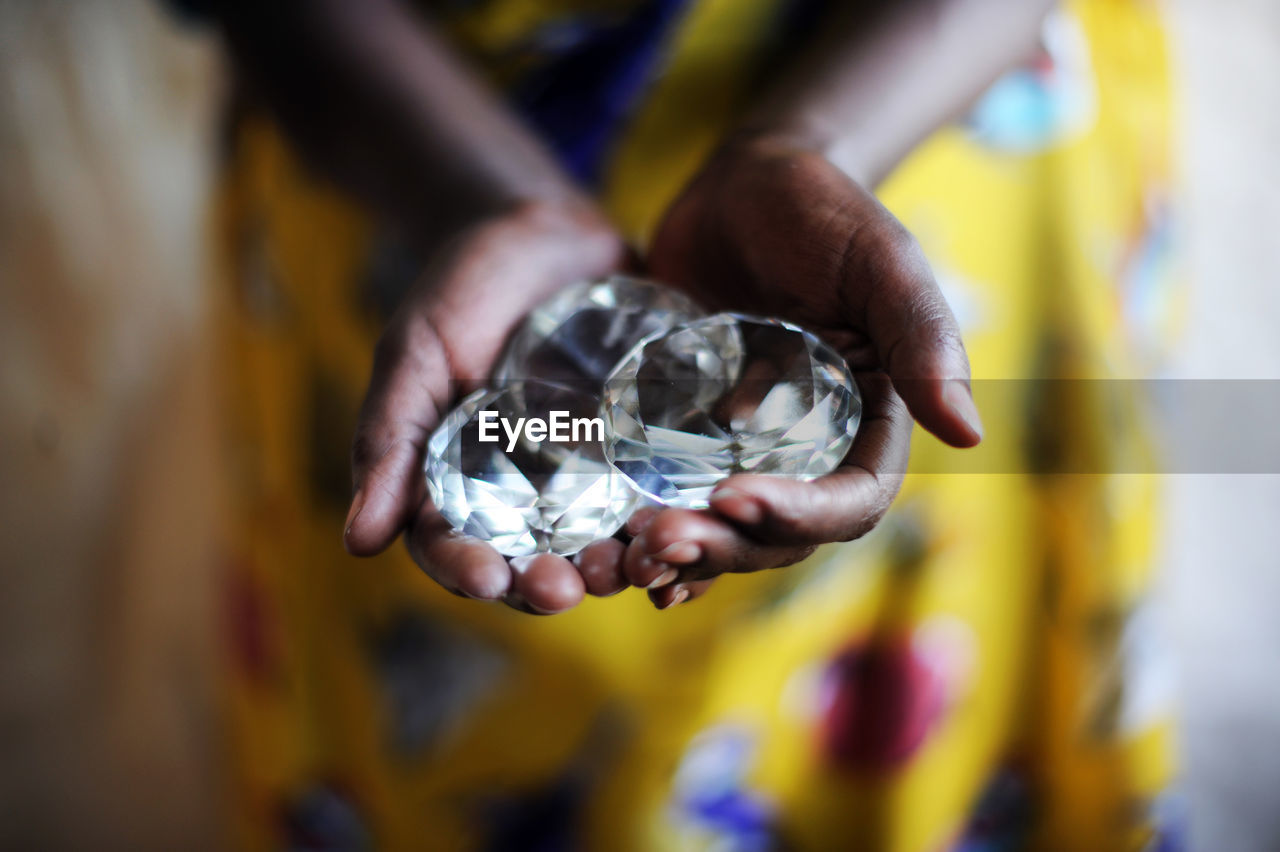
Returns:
<point x="579" y="99"/>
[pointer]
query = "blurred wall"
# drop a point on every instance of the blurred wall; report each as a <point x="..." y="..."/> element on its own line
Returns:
<point x="106" y="439"/>
<point x="1222" y="581"/>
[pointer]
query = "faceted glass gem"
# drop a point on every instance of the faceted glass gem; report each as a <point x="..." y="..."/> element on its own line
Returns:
<point x="727" y="394"/>
<point x="578" y="335"/>
<point x="520" y="494"/>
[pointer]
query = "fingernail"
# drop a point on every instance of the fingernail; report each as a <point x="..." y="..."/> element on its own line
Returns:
<point x="357" y="505"/>
<point x="681" y="553"/>
<point x="737" y="506"/>
<point x="679" y="598"/>
<point x="959" y="398"/>
<point x="666" y="578"/>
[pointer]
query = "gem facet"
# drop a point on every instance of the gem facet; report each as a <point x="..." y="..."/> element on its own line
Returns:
<point x="525" y="496"/>
<point x="579" y="334"/>
<point x="727" y="394"/>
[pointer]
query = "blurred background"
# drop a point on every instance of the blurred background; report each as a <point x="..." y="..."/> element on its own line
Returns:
<point x="108" y="493"/>
<point x="1221" y="576"/>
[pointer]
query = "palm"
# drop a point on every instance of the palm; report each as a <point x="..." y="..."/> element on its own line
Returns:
<point x="785" y="233"/>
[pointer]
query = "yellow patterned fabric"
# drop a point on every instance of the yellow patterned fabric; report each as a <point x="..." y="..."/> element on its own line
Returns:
<point x="980" y="673"/>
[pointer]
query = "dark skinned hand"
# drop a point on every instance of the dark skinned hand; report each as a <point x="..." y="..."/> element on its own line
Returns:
<point x="772" y="229"/>
<point x="441" y="344"/>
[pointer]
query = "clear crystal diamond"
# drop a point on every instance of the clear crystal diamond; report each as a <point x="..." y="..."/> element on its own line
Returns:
<point x="727" y="394"/>
<point x="548" y="496"/>
<point x="577" y="336"/>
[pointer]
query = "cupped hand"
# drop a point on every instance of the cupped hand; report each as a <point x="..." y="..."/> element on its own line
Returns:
<point x="442" y="343"/>
<point x="771" y="228"/>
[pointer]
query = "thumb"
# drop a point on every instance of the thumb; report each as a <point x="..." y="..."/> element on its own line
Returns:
<point x="410" y="372"/>
<point x="917" y="340"/>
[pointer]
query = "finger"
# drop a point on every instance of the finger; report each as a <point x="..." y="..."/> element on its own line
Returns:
<point x="461" y="564"/>
<point x="600" y="564"/>
<point x="409" y="381"/>
<point x="913" y="331"/>
<point x="664" y="554"/>
<point x="545" y="584"/>
<point x="844" y="504"/>
<point x="640" y="519"/>
<point x="678" y="593"/>
<point x="652" y="561"/>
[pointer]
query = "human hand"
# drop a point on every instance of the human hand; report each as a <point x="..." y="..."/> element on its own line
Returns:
<point x="771" y="228"/>
<point x="442" y="343"/>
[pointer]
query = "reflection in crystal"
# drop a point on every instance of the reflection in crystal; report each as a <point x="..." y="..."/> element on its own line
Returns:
<point x="578" y="335"/>
<point x="548" y="496"/>
<point x="727" y="394"/>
